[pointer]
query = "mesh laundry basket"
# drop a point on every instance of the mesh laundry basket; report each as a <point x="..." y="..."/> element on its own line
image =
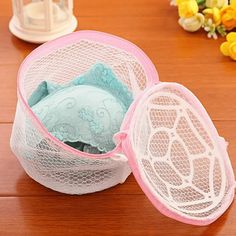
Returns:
<point x="171" y="144"/>
<point x="177" y="156"/>
<point x="44" y="158"/>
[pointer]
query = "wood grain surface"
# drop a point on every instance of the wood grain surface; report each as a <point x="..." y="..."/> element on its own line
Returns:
<point x="27" y="208"/>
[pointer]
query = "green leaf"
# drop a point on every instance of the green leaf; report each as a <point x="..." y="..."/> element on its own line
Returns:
<point x="200" y="2"/>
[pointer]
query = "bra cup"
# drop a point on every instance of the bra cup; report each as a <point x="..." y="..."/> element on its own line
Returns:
<point x="82" y="113"/>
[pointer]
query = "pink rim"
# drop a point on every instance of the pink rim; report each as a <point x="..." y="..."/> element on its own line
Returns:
<point x="96" y="36"/>
<point x="130" y="153"/>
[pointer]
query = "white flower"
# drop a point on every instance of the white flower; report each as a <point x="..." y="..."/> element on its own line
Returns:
<point x="216" y="3"/>
<point x="212" y="35"/>
<point x="193" y="23"/>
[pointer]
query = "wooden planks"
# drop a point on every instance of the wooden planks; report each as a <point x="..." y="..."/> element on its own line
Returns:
<point x="97" y="215"/>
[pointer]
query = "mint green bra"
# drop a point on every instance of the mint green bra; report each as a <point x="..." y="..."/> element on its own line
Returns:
<point x="86" y="112"/>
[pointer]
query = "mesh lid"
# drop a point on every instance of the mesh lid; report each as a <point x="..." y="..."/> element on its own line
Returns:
<point x="177" y="156"/>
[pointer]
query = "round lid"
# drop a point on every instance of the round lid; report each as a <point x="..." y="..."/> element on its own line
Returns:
<point x="177" y="156"/>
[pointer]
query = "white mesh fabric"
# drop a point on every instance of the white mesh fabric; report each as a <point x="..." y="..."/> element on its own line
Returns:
<point x="57" y="168"/>
<point x="42" y="159"/>
<point x="64" y="64"/>
<point x="177" y="156"/>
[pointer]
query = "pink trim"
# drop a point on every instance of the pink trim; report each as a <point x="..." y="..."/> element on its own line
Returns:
<point x="130" y="153"/>
<point x="96" y="36"/>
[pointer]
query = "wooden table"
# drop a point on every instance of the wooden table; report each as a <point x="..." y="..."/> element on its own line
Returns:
<point x="27" y="208"/>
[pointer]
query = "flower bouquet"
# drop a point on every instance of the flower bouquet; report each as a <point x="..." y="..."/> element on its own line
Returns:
<point x="216" y="17"/>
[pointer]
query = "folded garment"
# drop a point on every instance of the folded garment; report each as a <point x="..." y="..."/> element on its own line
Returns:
<point x="86" y="112"/>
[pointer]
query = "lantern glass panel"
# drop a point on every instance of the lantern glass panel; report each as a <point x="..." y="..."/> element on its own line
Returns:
<point x="61" y="10"/>
<point x="34" y="14"/>
<point x="42" y="20"/>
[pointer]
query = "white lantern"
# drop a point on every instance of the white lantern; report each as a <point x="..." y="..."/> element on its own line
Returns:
<point x="39" y="21"/>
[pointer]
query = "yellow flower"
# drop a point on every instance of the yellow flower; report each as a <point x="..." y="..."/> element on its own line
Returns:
<point x="187" y="8"/>
<point x="228" y="15"/>
<point x="214" y="14"/>
<point x="228" y="48"/>
<point x="193" y="23"/>
<point x="216" y="3"/>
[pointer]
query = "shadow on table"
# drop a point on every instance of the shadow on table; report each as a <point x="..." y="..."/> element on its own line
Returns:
<point x="24" y="48"/>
